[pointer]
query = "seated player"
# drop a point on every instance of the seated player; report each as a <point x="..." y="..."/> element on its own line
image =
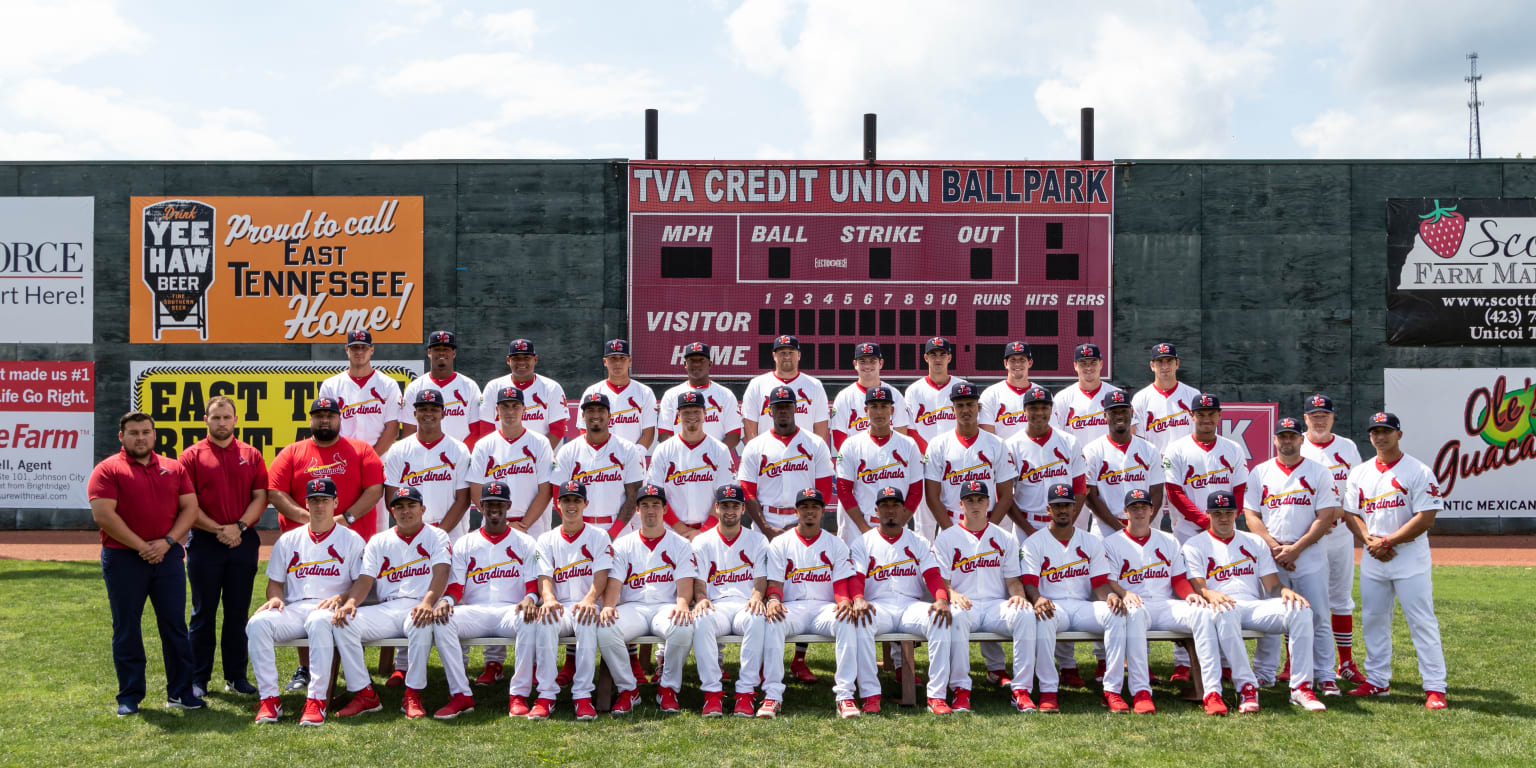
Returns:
<point x="816" y="588"/>
<point x="652" y="593"/>
<point x="730" y="595"/>
<point x="308" y="576"/>
<point x="573" y="570"/>
<point x="410" y="565"/>
<point x="980" y="560"/>
<point x="1235" y="572"/>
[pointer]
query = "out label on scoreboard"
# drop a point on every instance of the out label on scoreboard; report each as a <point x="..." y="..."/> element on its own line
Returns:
<point x="735" y="254"/>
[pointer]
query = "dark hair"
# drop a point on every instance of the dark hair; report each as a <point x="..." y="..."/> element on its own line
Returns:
<point x="131" y="417"/>
<point x="219" y="400"/>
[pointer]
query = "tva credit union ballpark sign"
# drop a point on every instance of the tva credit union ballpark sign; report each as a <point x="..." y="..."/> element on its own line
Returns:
<point x="1461" y="271"/>
<point x="46" y="286"/>
<point x="275" y="269"/>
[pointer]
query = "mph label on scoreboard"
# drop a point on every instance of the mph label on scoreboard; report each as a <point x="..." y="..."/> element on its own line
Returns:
<point x="735" y="254"/>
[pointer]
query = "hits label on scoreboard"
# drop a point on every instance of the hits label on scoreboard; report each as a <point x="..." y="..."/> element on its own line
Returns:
<point x="734" y="254"/>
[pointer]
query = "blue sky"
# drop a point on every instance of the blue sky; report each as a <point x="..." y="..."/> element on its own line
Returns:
<point x="751" y="79"/>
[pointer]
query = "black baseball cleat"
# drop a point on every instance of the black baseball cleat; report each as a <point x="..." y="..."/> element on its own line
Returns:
<point x="241" y="686"/>
<point x="300" y="679"/>
<point x="185" y="702"/>
<point x="124" y="710"/>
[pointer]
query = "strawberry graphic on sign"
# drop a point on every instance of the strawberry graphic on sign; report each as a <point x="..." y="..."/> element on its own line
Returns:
<point x="1442" y="230"/>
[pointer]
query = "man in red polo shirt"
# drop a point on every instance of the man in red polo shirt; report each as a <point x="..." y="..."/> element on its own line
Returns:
<point x="230" y="480"/>
<point x="144" y="505"/>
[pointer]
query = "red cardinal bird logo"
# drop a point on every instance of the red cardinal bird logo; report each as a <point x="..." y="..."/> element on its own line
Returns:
<point x="331" y="550"/>
<point x="1189" y="474"/>
<point x="1162" y="558"/>
<point x="512" y="555"/>
<point x="1339" y="458"/>
<point x="908" y="552"/>
<point x="490" y="463"/>
<point x="1061" y="456"/>
<point x="1246" y="553"/>
<point x="1306" y="485"/>
<point x="422" y="550"/>
<point x="801" y="394"/>
<point x="1210" y="566"/>
<point x="1140" y="462"/>
<point x="529" y="454"/>
<point x="293" y="562"/>
<point x="826" y="560"/>
<point x="712" y="402"/>
<point x="998" y="548"/>
<point x="744" y="558"/>
<point x="789" y="566"/>
<point x="405" y="471"/>
<point x="1398" y="486"/>
<point x="671" y="470"/>
<point x="983" y="456"/>
<point x="708" y="462"/>
<point x="470" y="567"/>
<point x="803" y="452"/>
<point x="586" y="553"/>
<point x="1081" y="553"/>
<point x="1045" y="564"/>
<point x="614" y="457"/>
<point x="1182" y="406"/>
<point x="863" y="467"/>
<point x="1071" y="414"/>
<point x="446" y="460"/>
<point x="1002" y="410"/>
<point x="897" y="456"/>
<point x="384" y="565"/>
<point x="1024" y="467"/>
<point x="922" y="410"/>
<point x="871" y="568"/>
<point x="1224" y="463"/>
<point x="666" y="558"/>
<point x="538" y="401"/>
<point x="575" y="470"/>
<point x="1125" y="567"/>
<point x="634" y="404"/>
<point x="712" y="571"/>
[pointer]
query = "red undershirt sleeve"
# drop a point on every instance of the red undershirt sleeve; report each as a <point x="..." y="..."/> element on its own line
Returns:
<point x="914" y="495"/>
<point x="617" y="530"/>
<point x="1099" y="581"/>
<point x="751" y="489"/>
<point x="856" y="585"/>
<point x="840" y="590"/>
<point x="455" y="591"/>
<point x="1030" y="580"/>
<point x="838" y="437"/>
<point x="670" y="517"/>
<point x="844" y="488"/>
<point x="1079" y="485"/>
<point x="1185" y="506"/>
<point x="935" y="584"/>
<point x="1181" y="586"/>
<point x="828" y="490"/>
<point x="557" y="428"/>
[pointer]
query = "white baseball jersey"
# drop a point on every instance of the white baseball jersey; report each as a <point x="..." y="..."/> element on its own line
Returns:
<point x="1002" y="409"/>
<point x="1115" y="469"/>
<point x="690" y="474"/>
<point x="1386" y="497"/>
<point x="461" y="402"/>
<point x="1065" y="571"/>
<point x="631" y="409"/>
<point x="978" y="564"/>
<point x="1234" y="567"/>
<point x="780" y="467"/>
<point x="808" y="568"/>
<point x="572" y="562"/>
<point x="1147" y="567"/>
<point x="1339" y="455"/>
<point x="605" y="468"/>
<point x="1041" y="462"/>
<point x="810" y="400"/>
<point x="1287" y="500"/>
<point x="730" y="567"/>
<point x="870" y="463"/>
<point x="929" y="409"/>
<point x="522" y="464"/>
<point x="1198" y="470"/>
<point x="437" y="469"/>
<point x="894" y="569"/>
<point x="650" y="569"/>
<point x="543" y="402"/>
<point x="954" y="460"/>
<point x="1163" y="417"/>
<point x="1081" y="414"/>
<point x="848" y="411"/>
<point x="366" y="405"/>
<point x="403" y="566"/>
<point x="722" y="412"/>
<point x="314" y="567"/>
<point x="500" y="570"/>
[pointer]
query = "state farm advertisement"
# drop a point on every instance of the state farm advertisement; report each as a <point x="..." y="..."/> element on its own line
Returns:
<point x="1475" y="428"/>
<point x="302" y="270"/>
<point x="47" y="432"/>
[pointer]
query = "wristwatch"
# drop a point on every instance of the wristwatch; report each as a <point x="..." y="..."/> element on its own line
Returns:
<point x="347" y="516"/>
<point x="170" y="541"/>
<point x="242" y="526"/>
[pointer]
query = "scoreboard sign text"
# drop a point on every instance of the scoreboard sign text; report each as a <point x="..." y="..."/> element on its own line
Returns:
<point x="735" y="254"/>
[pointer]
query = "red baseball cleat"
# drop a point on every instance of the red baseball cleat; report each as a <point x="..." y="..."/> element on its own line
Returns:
<point x="714" y="703"/>
<point x="1250" y="700"/>
<point x="1214" y="705"/>
<point x="666" y="699"/>
<point x="1048" y="703"/>
<point x="269" y="710"/>
<point x="491" y="674"/>
<point x="585" y="712"/>
<point x="1367" y="689"/>
<point x="802" y="672"/>
<point x="458" y="705"/>
<point x="517" y="706"/>
<point x="625" y="703"/>
<point x="1180" y="674"/>
<point x="366" y="700"/>
<point x="917" y="678"/>
<point x="846" y="708"/>
<point x="1226" y="674"/>
<point x="396" y="679"/>
<point x="999" y="677"/>
<point x="962" y="700"/>
<point x="1021" y="700"/>
<point x="542" y="707"/>
<point x="1350" y="673"/>
<point x="314" y="713"/>
<point x="1302" y="696"/>
<point x="745" y="705"/>
<point x="1142" y="703"/>
<point x="938" y="707"/>
<point x="1069" y="676"/>
<point x="1329" y="688"/>
<point x="770" y="709"/>
<point x="1434" y="700"/>
<point x="411" y="705"/>
<point x="1116" y="704"/>
<point x="872" y="704"/>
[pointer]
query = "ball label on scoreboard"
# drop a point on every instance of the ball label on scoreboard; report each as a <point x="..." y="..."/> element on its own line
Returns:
<point x="734" y="254"/>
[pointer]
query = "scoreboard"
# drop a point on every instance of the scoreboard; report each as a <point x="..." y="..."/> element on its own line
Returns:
<point x="735" y="254"/>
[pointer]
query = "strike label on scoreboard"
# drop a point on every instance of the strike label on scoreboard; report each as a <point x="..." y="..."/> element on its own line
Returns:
<point x="735" y="254"/>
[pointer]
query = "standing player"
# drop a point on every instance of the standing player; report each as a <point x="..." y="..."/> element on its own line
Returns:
<point x="544" y="401"/>
<point x="810" y="397"/>
<point x="1290" y="504"/>
<point x="731" y="596"/>
<point x="1162" y="410"/>
<point x="308" y="576"/>
<point x="634" y="418"/>
<point x="1002" y="404"/>
<point x="518" y="457"/>
<point x="848" y="409"/>
<point x="574" y="560"/>
<point x="1117" y="462"/>
<point x="873" y="459"/>
<point x="928" y="406"/>
<point x="1042" y="457"/>
<point x="1079" y="409"/>
<point x="690" y="467"/>
<point x="1339" y="455"/>
<point x="1235" y="573"/>
<point x="609" y="467"/>
<point x="494" y="588"/>
<point x="961" y="455"/>
<point x="1393" y="501"/>
<point x="980" y="561"/>
<point x="370" y="400"/>
<point x="461" y="395"/>
<point x="722" y="412"/>
<point x="777" y="463"/>
<point x="433" y="463"/>
<point x="818" y="588"/>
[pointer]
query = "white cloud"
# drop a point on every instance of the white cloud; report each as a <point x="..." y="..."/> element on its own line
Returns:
<point x="516" y="27"/>
<point x="50" y="36"/>
<point x="1397" y="122"/>
<point x="39" y="145"/>
<point x="483" y="139"/>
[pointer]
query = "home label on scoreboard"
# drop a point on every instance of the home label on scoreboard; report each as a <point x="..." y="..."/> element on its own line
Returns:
<point x="735" y="254"/>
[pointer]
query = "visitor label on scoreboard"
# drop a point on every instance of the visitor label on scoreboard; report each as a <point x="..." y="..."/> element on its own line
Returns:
<point x="736" y="254"/>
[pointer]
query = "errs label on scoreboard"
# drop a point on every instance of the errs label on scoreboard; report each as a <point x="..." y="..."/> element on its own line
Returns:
<point x="735" y="254"/>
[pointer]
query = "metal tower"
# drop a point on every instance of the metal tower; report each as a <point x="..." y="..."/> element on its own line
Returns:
<point x="1474" y="128"/>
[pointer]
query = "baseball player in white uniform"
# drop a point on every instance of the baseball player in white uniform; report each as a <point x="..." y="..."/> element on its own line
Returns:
<point x="848" y="417"/>
<point x="543" y="399"/>
<point x="1234" y="571"/>
<point x="928" y="407"/>
<point x="731" y="597"/>
<point x="980" y="560"/>
<point x="1339" y="455"/>
<point x="1117" y="462"/>
<point x="1162" y="409"/>
<point x="872" y="459"/>
<point x="690" y="467"/>
<point x="574" y="560"/>
<point x="1002" y="404"/>
<point x="520" y="458"/>
<point x="610" y="467"/>
<point x="1393" y="500"/>
<point x="494" y="589"/>
<point x="308" y="575"/>
<point x="1079" y="408"/>
<point x="1042" y="456"/>
<point x="461" y="395"/>
<point x="370" y="401"/>
<point x="811" y="411"/>
<point x="632" y="413"/>
<point x="433" y="463"/>
<point x="779" y="462"/>
<point x="722" y="411"/>
<point x="816" y="585"/>
<point x="410" y="565"/>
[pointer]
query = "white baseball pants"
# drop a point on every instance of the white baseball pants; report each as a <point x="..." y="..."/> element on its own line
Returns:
<point x="1314" y="587"/>
<point x="995" y="616"/>
<point x="502" y="620"/>
<point x="1179" y="616"/>
<point x="1083" y="616"/>
<point x="1416" y="594"/>
<point x="297" y="619"/>
<point x="393" y="619"/>
<point x="914" y="618"/>
<point x="813" y="617"/>
<point x="1272" y="616"/>
<point x="547" y="637"/>
<point x="636" y="619"/>
<point x="731" y="617"/>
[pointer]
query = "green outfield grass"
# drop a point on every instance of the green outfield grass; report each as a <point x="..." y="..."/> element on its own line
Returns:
<point x="59" y="709"/>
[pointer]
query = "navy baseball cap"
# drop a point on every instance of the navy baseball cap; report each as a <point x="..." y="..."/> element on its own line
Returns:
<point x="690" y="399"/>
<point x="1017" y="348"/>
<point x="359" y="339"/>
<point x="1060" y="493"/>
<point x="1319" y="403"/>
<point x="651" y="491"/>
<point x="428" y="396"/>
<point x="320" y="487"/>
<point x="1205" y="402"/>
<point x="879" y="394"/>
<point x="1087" y="352"/>
<point x="509" y="395"/>
<point x="1384" y="420"/>
<point x="810" y="494"/>
<point x="781" y="395"/>
<point x="496" y="490"/>
<point x="696" y="348"/>
<point x="973" y="488"/>
<point x="1164" y="349"/>
<point x="325" y="404"/>
<point x="1289" y="424"/>
<point x="1115" y="399"/>
<point x="594" y="398"/>
<point x="616" y="347"/>
<point x="1220" y="500"/>
<point x="889" y="493"/>
<point x="404" y="494"/>
<point x="940" y="343"/>
<point x="573" y="488"/>
<point x="520" y="347"/>
<point x="730" y="492"/>
<point x="964" y="391"/>
<point x="442" y="339"/>
<point x="785" y="341"/>
<point x="1037" y="394"/>
<point x="1137" y="496"/>
<point x="867" y="349"/>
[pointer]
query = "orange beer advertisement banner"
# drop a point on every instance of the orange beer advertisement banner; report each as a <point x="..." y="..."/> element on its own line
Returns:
<point x="252" y="270"/>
